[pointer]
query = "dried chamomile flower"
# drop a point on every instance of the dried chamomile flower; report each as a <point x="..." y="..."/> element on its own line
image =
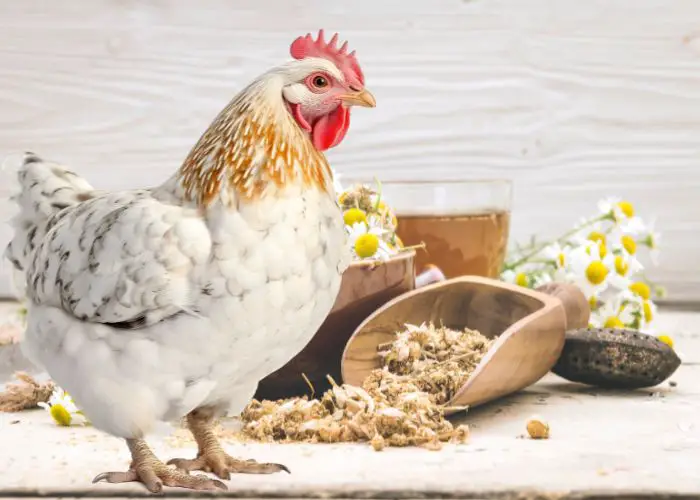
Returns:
<point x="537" y="428"/>
<point x="399" y="404"/>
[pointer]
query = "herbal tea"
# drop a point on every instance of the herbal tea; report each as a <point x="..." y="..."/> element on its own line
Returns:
<point x="458" y="244"/>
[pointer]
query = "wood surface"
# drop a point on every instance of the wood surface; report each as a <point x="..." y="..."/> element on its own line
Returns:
<point x="571" y="100"/>
<point x="529" y="327"/>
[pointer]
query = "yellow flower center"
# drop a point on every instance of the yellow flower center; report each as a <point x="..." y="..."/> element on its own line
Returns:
<point x="648" y="315"/>
<point x="366" y="245"/>
<point x="621" y="265"/>
<point x="353" y="216"/>
<point x="60" y="415"/>
<point x="602" y="249"/>
<point x="592" y="301"/>
<point x="596" y="272"/>
<point x="597" y="236"/>
<point x="629" y="244"/>
<point x="626" y="208"/>
<point x="561" y="258"/>
<point x="613" y="322"/>
<point x="666" y="340"/>
<point x="642" y="289"/>
<point x="521" y="279"/>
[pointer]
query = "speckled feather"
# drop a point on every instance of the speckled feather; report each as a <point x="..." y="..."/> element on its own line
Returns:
<point x="146" y="304"/>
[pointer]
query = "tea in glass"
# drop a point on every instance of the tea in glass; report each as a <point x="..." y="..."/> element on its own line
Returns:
<point x="464" y="224"/>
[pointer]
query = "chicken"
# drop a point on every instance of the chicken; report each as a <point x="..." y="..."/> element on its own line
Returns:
<point x="156" y="304"/>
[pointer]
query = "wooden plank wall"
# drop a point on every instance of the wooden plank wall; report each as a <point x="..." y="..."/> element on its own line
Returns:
<point x="571" y="100"/>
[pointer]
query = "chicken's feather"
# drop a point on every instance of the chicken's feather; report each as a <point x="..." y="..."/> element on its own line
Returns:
<point x="44" y="188"/>
<point x="122" y="258"/>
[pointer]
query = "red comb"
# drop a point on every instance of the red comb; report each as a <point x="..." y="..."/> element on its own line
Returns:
<point x="306" y="46"/>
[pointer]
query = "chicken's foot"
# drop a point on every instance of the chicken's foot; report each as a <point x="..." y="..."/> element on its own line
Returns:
<point x="147" y="469"/>
<point x="211" y="457"/>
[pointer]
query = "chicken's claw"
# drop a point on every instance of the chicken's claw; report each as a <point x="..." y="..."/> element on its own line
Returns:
<point x="211" y="457"/>
<point x="222" y="464"/>
<point x="154" y="474"/>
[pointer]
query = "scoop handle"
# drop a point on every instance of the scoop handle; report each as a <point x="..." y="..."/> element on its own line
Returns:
<point x="576" y="306"/>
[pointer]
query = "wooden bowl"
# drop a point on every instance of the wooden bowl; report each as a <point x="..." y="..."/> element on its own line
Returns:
<point x="364" y="288"/>
<point x="530" y="326"/>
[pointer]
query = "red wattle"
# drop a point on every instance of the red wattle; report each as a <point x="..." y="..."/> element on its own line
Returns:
<point x="330" y="129"/>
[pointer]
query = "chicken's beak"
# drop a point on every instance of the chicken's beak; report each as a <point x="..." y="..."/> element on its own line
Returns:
<point x="361" y="98"/>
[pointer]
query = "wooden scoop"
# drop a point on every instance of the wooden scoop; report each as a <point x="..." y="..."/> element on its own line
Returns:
<point x="529" y="324"/>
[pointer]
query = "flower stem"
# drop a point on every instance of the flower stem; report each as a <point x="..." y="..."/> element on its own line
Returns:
<point x="542" y="246"/>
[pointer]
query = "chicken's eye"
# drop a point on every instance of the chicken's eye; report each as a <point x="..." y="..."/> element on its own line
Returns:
<point x="320" y="81"/>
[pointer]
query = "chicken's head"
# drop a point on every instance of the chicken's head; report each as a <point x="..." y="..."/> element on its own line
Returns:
<point x="321" y="85"/>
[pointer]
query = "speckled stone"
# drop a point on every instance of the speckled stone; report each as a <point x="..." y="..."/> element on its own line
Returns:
<point x="615" y="358"/>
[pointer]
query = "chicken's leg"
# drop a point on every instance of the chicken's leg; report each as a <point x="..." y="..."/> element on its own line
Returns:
<point x="211" y="457"/>
<point x="147" y="469"/>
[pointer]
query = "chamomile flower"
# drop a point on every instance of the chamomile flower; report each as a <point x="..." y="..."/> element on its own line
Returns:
<point x="354" y="215"/>
<point x="590" y="232"/>
<point x="621" y="212"/>
<point x="559" y="257"/>
<point x="614" y="313"/>
<point x="640" y="289"/>
<point x="62" y="409"/>
<point x="516" y="277"/>
<point x="622" y="267"/>
<point x="369" y="223"/>
<point x="366" y="241"/>
<point x="616" y="208"/>
<point x="638" y="295"/>
<point x="648" y="313"/>
<point x="588" y="271"/>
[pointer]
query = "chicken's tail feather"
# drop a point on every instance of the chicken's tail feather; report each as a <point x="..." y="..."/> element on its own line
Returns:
<point x="45" y="188"/>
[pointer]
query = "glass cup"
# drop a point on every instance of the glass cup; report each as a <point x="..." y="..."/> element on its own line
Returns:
<point x="463" y="224"/>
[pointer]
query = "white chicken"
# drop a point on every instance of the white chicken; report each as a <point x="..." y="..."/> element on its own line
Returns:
<point x="154" y="304"/>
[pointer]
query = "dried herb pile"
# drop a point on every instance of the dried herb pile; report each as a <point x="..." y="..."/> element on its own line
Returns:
<point x="400" y="404"/>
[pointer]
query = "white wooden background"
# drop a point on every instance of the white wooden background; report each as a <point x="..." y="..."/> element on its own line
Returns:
<point x="573" y="100"/>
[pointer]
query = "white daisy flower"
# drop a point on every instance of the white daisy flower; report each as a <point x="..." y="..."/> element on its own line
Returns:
<point x="588" y="271"/>
<point x="614" y="313"/>
<point x="366" y="241"/>
<point x="622" y="266"/>
<point x="517" y="278"/>
<point x="649" y="310"/>
<point x="620" y="211"/>
<point x="634" y="226"/>
<point x="384" y="250"/>
<point x="627" y="235"/>
<point x="592" y="232"/>
<point x="62" y="409"/>
<point x="558" y="255"/>
<point x="638" y="295"/>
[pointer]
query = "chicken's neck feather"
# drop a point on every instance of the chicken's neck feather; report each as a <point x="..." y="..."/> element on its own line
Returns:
<point x="252" y="144"/>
